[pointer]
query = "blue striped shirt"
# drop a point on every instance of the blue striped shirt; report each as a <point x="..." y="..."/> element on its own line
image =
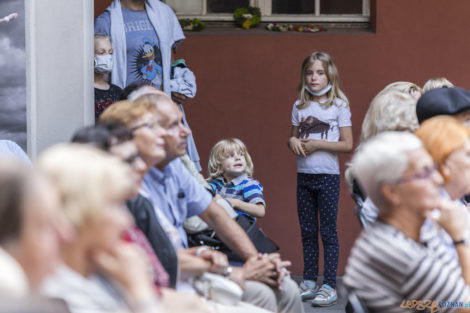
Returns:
<point x="243" y="188"/>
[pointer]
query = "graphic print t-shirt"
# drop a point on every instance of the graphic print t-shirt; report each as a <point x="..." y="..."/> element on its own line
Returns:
<point x="320" y="123"/>
<point x="104" y="98"/>
<point x="144" y="60"/>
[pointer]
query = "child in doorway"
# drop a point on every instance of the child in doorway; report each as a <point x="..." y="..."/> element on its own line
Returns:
<point x="230" y="169"/>
<point x="321" y="128"/>
<point x="105" y="93"/>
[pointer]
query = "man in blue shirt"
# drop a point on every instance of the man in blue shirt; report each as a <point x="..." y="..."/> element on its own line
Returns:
<point x="179" y="196"/>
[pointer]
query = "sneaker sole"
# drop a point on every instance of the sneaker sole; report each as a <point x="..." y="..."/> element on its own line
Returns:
<point x="324" y="305"/>
<point x="308" y="298"/>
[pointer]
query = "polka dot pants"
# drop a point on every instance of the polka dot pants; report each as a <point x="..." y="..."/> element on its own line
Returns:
<point x="317" y="196"/>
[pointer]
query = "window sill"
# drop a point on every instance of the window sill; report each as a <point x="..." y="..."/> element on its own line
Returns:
<point x="229" y="28"/>
<point x="287" y="18"/>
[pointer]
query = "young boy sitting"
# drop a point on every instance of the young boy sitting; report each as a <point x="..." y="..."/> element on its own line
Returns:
<point x="230" y="169"/>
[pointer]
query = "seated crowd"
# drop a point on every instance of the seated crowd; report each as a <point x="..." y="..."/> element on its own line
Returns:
<point x="106" y="223"/>
<point x="100" y="222"/>
<point x="409" y="177"/>
<point x="114" y="241"/>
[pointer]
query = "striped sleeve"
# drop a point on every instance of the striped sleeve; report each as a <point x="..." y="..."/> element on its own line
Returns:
<point x="386" y="268"/>
<point x="215" y="185"/>
<point x="253" y="192"/>
<point x="438" y="278"/>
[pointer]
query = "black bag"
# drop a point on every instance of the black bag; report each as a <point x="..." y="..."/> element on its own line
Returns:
<point x="209" y="238"/>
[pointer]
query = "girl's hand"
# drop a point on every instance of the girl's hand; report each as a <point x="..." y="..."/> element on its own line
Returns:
<point x="309" y="145"/>
<point x="296" y="146"/>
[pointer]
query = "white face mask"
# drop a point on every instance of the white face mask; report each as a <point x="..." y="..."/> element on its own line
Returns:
<point x="320" y="92"/>
<point x="103" y="63"/>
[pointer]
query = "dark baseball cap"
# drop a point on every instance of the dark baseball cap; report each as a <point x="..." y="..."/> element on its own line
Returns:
<point x="442" y="101"/>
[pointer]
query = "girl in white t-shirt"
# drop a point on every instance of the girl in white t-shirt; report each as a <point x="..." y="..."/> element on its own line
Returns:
<point x="321" y="128"/>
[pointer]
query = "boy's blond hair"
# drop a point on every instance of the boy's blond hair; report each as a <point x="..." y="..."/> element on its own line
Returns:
<point x="221" y="151"/>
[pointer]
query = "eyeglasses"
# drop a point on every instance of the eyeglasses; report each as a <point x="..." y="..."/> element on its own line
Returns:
<point x="425" y="174"/>
<point x="150" y="125"/>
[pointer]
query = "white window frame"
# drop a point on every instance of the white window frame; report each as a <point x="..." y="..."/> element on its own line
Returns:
<point x="267" y="16"/>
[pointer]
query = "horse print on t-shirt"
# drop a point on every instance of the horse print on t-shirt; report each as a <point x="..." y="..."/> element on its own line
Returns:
<point x="311" y="125"/>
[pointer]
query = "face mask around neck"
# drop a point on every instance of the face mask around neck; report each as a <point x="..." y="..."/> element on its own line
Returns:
<point x="320" y="92"/>
<point x="103" y="63"/>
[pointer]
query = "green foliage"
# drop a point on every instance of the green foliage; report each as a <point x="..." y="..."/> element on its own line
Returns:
<point x="194" y="25"/>
<point x="247" y="17"/>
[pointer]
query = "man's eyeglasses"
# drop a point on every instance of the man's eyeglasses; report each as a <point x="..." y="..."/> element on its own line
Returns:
<point x="425" y="174"/>
<point x="150" y="125"/>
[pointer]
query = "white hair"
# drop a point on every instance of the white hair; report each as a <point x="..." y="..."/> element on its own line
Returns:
<point x="382" y="159"/>
<point x="390" y="110"/>
<point x="406" y="87"/>
<point x="437" y="82"/>
<point x="144" y="90"/>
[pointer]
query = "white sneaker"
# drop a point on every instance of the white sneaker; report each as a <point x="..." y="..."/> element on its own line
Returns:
<point x="326" y="296"/>
<point x="308" y="289"/>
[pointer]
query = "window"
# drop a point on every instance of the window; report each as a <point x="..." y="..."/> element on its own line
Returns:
<point x="276" y="10"/>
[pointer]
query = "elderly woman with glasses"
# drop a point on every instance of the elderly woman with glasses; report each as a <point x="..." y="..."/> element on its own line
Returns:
<point x="93" y="187"/>
<point x="390" y="264"/>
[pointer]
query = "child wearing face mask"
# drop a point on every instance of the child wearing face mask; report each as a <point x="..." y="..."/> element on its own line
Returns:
<point x="105" y="92"/>
<point x="230" y="169"/>
<point x="321" y="128"/>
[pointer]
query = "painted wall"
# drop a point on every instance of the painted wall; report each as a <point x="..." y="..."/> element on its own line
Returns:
<point x="247" y="84"/>
<point x="59" y="86"/>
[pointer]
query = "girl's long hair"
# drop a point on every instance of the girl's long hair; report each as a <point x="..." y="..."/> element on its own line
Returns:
<point x="332" y="75"/>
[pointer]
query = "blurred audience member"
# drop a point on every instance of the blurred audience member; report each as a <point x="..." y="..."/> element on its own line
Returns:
<point x="118" y="140"/>
<point x="101" y="273"/>
<point x="437" y="82"/>
<point x="407" y="87"/>
<point x="9" y="149"/>
<point x="390" y="110"/>
<point x="31" y="228"/>
<point x="448" y="143"/>
<point x="453" y="101"/>
<point x="389" y="263"/>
